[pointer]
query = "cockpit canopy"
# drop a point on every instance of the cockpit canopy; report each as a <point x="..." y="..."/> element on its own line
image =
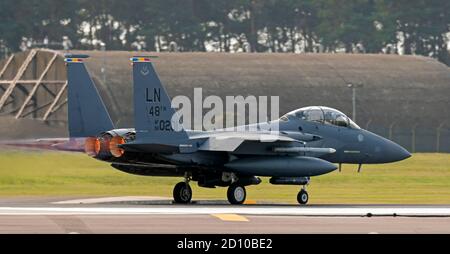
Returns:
<point x="324" y="115"/>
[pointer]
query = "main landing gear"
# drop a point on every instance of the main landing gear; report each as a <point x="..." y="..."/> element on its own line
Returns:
<point x="236" y="194"/>
<point x="182" y="193"/>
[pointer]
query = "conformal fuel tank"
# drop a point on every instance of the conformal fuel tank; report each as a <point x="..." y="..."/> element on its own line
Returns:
<point x="281" y="166"/>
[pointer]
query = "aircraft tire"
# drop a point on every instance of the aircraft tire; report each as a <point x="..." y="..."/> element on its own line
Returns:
<point x="236" y="194"/>
<point x="302" y="197"/>
<point x="182" y="193"/>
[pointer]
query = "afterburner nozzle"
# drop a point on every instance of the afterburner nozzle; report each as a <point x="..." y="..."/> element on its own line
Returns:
<point x="92" y="146"/>
<point x="114" y="148"/>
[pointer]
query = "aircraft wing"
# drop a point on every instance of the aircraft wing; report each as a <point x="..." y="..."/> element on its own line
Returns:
<point x="230" y="141"/>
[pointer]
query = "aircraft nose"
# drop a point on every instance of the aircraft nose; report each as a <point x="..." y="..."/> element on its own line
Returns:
<point x="404" y="154"/>
<point x="392" y="152"/>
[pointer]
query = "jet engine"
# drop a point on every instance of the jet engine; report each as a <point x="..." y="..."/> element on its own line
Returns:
<point x="114" y="148"/>
<point x="106" y="145"/>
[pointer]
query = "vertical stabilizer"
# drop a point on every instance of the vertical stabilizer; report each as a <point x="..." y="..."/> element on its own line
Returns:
<point x="87" y="113"/>
<point x="152" y="106"/>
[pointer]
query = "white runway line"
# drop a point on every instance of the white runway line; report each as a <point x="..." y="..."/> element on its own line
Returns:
<point x="298" y="211"/>
<point x="109" y="200"/>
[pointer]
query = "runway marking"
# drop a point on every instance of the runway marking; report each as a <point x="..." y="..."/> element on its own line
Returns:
<point x="70" y="224"/>
<point x="250" y="202"/>
<point x="241" y="210"/>
<point x="109" y="200"/>
<point x="230" y="217"/>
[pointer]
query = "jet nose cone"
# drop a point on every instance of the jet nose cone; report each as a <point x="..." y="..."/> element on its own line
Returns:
<point x="400" y="153"/>
<point x="394" y="152"/>
<point x="382" y="150"/>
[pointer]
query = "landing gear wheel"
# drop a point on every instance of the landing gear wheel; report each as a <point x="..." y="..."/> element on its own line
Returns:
<point x="236" y="194"/>
<point x="302" y="197"/>
<point x="182" y="193"/>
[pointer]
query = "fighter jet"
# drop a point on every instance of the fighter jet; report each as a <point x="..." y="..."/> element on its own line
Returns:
<point x="308" y="142"/>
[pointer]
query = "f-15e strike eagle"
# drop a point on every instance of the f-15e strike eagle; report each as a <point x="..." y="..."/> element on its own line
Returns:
<point x="307" y="143"/>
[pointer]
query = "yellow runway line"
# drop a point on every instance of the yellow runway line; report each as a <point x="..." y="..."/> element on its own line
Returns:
<point x="250" y="202"/>
<point x="229" y="217"/>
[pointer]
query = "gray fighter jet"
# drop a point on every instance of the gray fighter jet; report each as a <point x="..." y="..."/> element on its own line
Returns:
<point x="309" y="141"/>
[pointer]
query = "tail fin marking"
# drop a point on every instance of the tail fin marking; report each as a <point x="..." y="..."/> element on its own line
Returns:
<point x="152" y="106"/>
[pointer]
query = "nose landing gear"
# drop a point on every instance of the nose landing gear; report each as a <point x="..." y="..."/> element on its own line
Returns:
<point x="302" y="196"/>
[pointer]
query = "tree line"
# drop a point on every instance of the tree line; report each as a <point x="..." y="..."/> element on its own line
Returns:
<point x="353" y="26"/>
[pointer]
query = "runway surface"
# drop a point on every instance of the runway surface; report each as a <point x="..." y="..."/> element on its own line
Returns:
<point x="158" y="215"/>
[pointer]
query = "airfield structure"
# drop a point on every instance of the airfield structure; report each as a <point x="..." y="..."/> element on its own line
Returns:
<point x="33" y="84"/>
